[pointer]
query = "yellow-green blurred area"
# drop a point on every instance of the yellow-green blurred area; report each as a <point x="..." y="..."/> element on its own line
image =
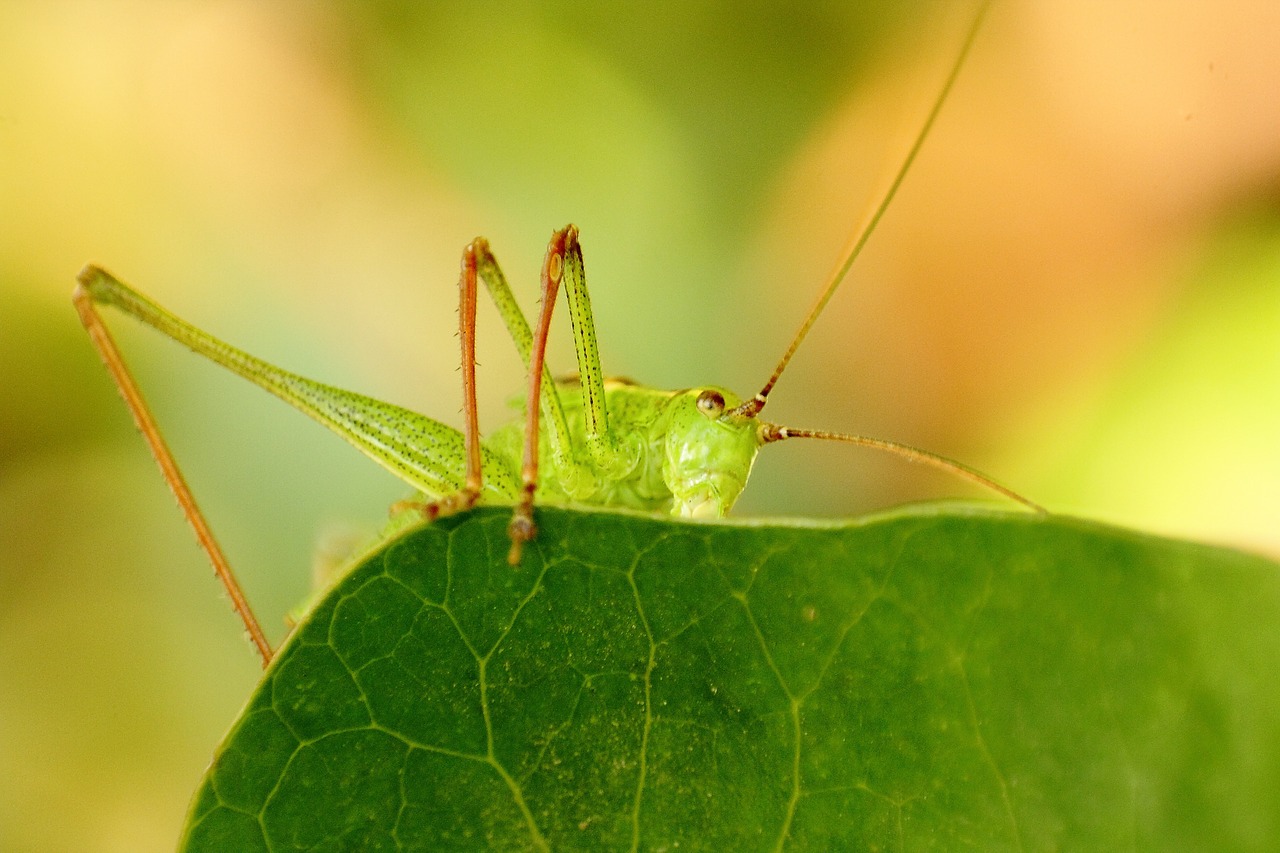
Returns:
<point x="1077" y="290"/>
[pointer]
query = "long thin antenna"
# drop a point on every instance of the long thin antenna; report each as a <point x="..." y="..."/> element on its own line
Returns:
<point x="752" y="407"/>
<point x="770" y="433"/>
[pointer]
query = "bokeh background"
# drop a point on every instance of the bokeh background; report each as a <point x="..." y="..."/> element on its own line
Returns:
<point x="1077" y="290"/>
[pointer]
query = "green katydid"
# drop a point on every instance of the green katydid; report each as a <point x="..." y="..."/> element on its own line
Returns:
<point x="608" y="443"/>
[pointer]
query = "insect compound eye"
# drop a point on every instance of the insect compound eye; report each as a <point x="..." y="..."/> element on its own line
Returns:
<point x="711" y="403"/>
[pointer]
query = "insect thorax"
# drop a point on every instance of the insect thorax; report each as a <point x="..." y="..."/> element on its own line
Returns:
<point x="650" y="425"/>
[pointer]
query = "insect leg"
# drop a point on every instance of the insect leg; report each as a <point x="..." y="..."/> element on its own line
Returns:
<point x="610" y="457"/>
<point x="467" y="332"/>
<point x="471" y="424"/>
<point x="465" y="497"/>
<point x="575" y="478"/>
<point x="522" y="528"/>
<point x="110" y="354"/>
<point x="426" y="454"/>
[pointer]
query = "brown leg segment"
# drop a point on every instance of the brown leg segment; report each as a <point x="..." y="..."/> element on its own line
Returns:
<point x="110" y="354"/>
<point x="466" y="497"/>
<point x="470" y="413"/>
<point x="522" y="528"/>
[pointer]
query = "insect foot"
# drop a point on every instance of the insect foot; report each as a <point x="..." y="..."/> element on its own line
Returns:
<point x="521" y="530"/>
<point x="459" y="501"/>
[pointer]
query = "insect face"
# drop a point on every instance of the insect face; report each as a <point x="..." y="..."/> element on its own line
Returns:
<point x="708" y="451"/>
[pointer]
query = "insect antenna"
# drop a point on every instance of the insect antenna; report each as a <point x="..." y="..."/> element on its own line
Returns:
<point x="750" y="408"/>
<point x="771" y="432"/>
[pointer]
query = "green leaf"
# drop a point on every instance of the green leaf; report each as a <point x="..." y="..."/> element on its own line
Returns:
<point x="927" y="679"/>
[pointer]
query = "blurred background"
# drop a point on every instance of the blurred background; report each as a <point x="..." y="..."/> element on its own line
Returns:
<point x="1077" y="290"/>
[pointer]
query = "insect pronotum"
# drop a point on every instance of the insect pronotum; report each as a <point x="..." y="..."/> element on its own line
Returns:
<point x="603" y="442"/>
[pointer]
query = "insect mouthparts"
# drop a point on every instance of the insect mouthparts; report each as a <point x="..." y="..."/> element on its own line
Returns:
<point x="770" y="433"/>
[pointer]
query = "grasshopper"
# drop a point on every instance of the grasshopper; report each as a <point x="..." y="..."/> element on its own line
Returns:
<point x="605" y="442"/>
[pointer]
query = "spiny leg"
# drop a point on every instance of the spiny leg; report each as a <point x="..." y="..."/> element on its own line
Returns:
<point x="471" y="417"/>
<point x="466" y="497"/>
<point x="574" y="477"/>
<point x="110" y="354"/>
<point x="522" y="528"/>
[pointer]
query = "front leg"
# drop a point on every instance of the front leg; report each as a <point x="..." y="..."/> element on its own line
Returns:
<point x="573" y="475"/>
<point x="464" y="498"/>
<point x="522" y="528"/>
<point x="613" y="459"/>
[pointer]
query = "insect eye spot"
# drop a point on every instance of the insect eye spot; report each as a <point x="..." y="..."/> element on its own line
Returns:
<point x="711" y="403"/>
<point x="554" y="266"/>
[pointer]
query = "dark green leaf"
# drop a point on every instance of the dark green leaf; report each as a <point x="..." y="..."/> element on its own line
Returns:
<point x="928" y="679"/>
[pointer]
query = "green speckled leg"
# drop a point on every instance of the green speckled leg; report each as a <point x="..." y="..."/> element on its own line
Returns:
<point x="611" y="458"/>
<point x="574" y="477"/>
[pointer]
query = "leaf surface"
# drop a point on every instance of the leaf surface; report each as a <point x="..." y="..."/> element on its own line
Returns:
<point x="926" y="679"/>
